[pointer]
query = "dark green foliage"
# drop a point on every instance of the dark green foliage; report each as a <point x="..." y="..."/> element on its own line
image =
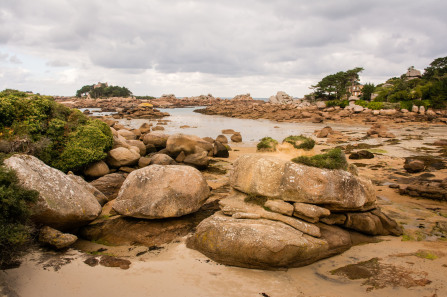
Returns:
<point x="429" y="91"/>
<point x="145" y="97"/>
<point x="300" y="142"/>
<point x="367" y="91"/>
<point x="335" y="86"/>
<point x="86" y="145"/>
<point x="375" y="105"/>
<point x="333" y="159"/>
<point x="103" y="91"/>
<point x="267" y="144"/>
<point x="362" y="103"/>
<point x="341" y="103"/>
<point x="437" y="69"/>
<point x="14" y="214"/>
<point x="61" y="137"/>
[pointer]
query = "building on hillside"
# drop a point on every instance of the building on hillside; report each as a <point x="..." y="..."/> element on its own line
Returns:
<point x="355" y="90"/>
<point x="100" y="84"/>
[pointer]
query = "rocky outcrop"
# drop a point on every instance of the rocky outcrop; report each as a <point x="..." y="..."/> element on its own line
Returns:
<point x="278" y="179"/>
<point x="263" y="244"/>
<point x="243" y="97"/>
<point x="279" y="214"/>
<point x="156" y="192"/>
<point x="281" y="98"/>
<point x="62" y="204"/>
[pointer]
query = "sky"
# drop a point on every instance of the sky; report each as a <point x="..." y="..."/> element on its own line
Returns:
<point x="223" y="48"/>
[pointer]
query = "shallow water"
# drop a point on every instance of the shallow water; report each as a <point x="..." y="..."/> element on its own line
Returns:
<point x="253" y="130"/>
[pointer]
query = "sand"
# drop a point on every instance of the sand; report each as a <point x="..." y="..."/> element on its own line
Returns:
<point x="393" y="267"/>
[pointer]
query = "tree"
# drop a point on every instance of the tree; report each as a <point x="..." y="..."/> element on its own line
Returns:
<point x="84" y="90"/>
<point x="335" y="86"/>
<point x="437" y="69"/>
<point x="103" y="91"/>
<point x="367" y="91"/>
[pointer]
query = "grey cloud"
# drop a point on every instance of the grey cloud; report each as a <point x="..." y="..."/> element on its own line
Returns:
<point x="287" y="38"/>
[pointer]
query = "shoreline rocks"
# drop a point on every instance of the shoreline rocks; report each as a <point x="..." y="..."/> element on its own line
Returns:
<point x="63" y="203"/>
<point x="273" y="218"/>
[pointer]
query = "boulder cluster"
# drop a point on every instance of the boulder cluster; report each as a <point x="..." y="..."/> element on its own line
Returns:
<point x="283" y="108"/>
<point x="141" y="147"/>
<point x="283" y="214"/>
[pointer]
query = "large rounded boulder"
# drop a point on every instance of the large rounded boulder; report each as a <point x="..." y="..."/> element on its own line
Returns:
<point x="123" y="157"/>
<point x="157" y="192"/>
<point x="272" y="177"/>
<point x="334" y="189"/>
<point x="63" y="203"/>
<point x="255" y="243"/>
<point x="258" y="175"/>
<point x="189" y="144"/>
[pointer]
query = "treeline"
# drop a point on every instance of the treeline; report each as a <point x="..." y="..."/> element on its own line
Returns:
<point x="429" y="90"/>
<point x="103" y="91"/>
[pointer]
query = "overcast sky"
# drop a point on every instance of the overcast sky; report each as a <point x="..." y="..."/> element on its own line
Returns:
<point x="225" y="48"/>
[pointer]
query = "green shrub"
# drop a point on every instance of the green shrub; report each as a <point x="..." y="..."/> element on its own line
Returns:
<point x="300" y="142"/>
<point x="267" y="144"/>
<point x="362" y="103"/>
<point x="333" y="159"/>
<point x="333" y="103"/>
<point x="88" y="144"/>
<point x="375" y="105"/>
<point x="61" y="137"/>
<point x="14" y="215"/>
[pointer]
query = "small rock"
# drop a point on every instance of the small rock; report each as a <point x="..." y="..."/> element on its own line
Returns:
<point x="237" y="137"/>
<point x="414" y="166"/>
<point x="55" y="238"/>
<point x="109" y="261"/>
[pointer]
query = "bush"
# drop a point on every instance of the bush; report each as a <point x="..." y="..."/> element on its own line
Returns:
<point x="362" y="103"/>
<point x="333" y="103"/>
<point x="375" y="105"/>
<point x="300" y="142"/>
<point x="267" y="144"/>
<point x="14" y="215"/>
<point x="333" y="159"/>
<point x="88" y="144"/>
<point x="38" y="125"/>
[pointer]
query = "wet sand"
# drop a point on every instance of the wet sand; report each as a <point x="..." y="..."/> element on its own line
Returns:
<point x="179" y="271"/>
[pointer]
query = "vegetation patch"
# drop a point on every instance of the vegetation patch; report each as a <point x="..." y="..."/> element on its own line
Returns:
<point x="15" y="229"/>
<point x="61" y="137"/>
<point x="426" y="255"/>
<point x="267" y="144"/>
<point x="300" y="142"/>
<point x="333" y="159"/>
